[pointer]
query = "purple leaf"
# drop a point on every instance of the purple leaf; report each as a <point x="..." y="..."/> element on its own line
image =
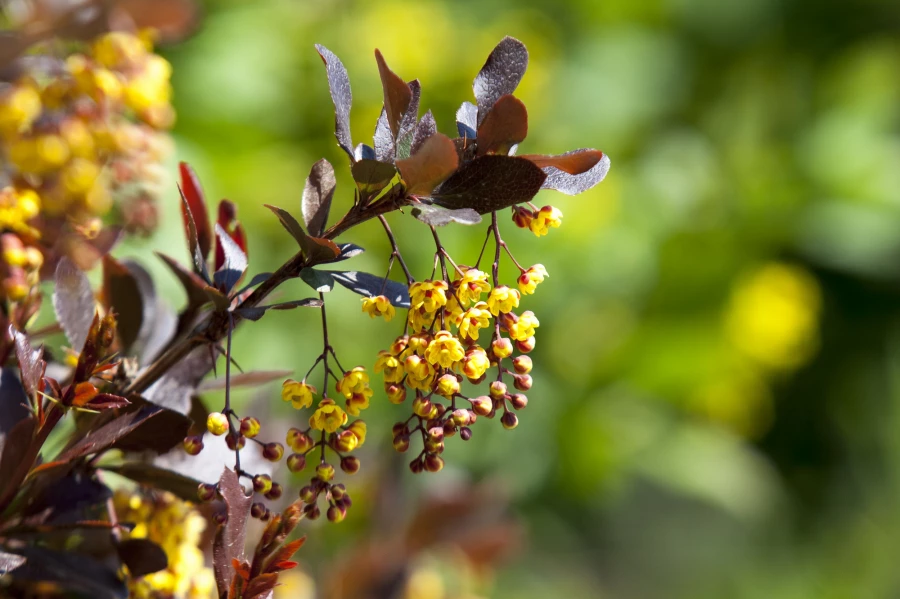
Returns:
<point x="198" y="258"/>
<point x="467" y="120"/>
<point x="31" y="366"/>
<point x="15" y="446"/>
<point x="339" y="86"/>
<point x="195" y="202"/>
<point x="319" y="280"/>
<point x="500" y="74"/>
<point x="505" y="126"/>
<point x="348" y="250"/>
<point x="9" y="562"/>
<point x="371" y="177"/>
<point x="13" y="403"/>
<point x="369" y="285"/>
<point x="256" y="312"/>
<point x="425" y="129"/>
<point x="73" y="302"/>
<point x="193" y="285"/>
<point x="432" y="164"/>
<point x="364" y="151"/>
<point x="436" y="216"/>
<point x="573" y="172"/>
<point x="75" y="573"/>
<point x="142" y="556"/>
<point x="408" y="124"/>
<point x="175" y="388"/>
<point x="491" y="183"/>
<point x="317" y="195"/>
<point x="397" y="94"/>
<point x="384" y="139"/>
<point x="235" y="262"/>
<point x="106" y="401"/>
<point x="229" y="543"/>
<point x="290" y="224"/>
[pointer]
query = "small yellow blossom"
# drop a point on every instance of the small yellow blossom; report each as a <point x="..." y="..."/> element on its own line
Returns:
<point x="445" y="350"/>
<point x="420" y="319"/>
<point x="502" y="300"/>
<point x="358" y="401"/>
<point x="419" y="373"/>
<point x="19" y="107"/>
<point x="524" y="328"/>
<point x="354" y="381"/>
<point x="328" y="417"/>
<point x="390" y="366"/>
<point x="531" y="277"/>
<point x="358" y="428"/>
<point x="475" y="318"/>
<point x="447" y="385"/>
<point x="299" y="394"/>
<point x="544" y="219"/>
<point x="475" y="363"/>
<point x="429" y="295"/>
<point x="378" y="305"/>
<point x="472" y="285"/>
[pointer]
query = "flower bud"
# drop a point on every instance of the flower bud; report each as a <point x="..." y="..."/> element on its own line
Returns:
<point x="220" y="518"/>
<point x="522" y="216"/>
<point x="193" y="444"/>
<point x="395" y="393"/>
<point x="436" y="433"/>
<point x="262" y="483"/>
<point x="460" y="417"/>
<point x="338" y="491"/>
<point x="249" y="427"/>
<point x="432" y="446"/>
<point x="350" y="464"/>
<point x="325" y="472"/>
<point x="522" y="382"/>
<point x="312" y="511"/>
<point x="206" y="492"/>
<point x="235" y="442"/>
<point x="299" y="441"/>
<point x="296" y="462"/>
<point x="465" y="433"/>
<point x="509" y="420"/>
<point x="257" y="510"/>
<point x="522" y="364"/>
<point x="400" y="429"/>
<point x="498" y="390"/>
<point x="308" y="494"/>
<point x="502" y="348"/>
<point x="447" y="385"/>
<point x="422" y="407"/>
<point x="336" y="514"/>
<point x="273" y="451"/>
<point x="401" y="443"/>
<point x="345" y="441"/>
<point x="275" y="492"/>
<point x="482" y="405"/>
<point x="434" y="463"/>
<point x="525" y="346"/>
<point x="518" y="401"/>
<point x="416" y="466"/>
<point x="217" y="423"/>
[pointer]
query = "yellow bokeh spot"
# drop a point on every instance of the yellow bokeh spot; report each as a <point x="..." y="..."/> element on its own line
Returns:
<point x="773" y="316"/>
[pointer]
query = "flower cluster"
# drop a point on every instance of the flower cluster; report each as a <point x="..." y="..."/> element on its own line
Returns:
<point x="177" y="528"/>
<point x="78" y="137"/>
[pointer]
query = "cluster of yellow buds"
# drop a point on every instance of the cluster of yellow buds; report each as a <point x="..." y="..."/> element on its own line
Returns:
<point x="457" y="330"/>
<point x="80" y="136"/>
<point x="177" y="527"/>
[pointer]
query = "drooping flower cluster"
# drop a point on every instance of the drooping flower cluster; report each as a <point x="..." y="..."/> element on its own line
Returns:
<point x="177" y="527"/>
<point x="78" y="137"/>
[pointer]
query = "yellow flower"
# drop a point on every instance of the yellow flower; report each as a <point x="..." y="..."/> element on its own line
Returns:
<point x="531" y="277"/>
<point x="472" y="284"/>
<point x="444" y="350"/>
<point x="328" y="417"/>
<point x="475" y="363"/>
<point x="354" y="381"/>
<point x="546" y="217"/>
<point x="359" y="401"/>
<point x="502" y="300"/>
<point x="475" y="318"/>
<point x="419" y="319"/>
<point x="299" y="394"/>
<point x="377" y="306"/>
<point x="429" y="295"/>
<point x="390" y="366"/>
<point x="524" y="328"/>
<point x="447" y="385"/>
<point x="419" y="373"/>
<point x="19" y="107"/>
<point x="358" y="428"/>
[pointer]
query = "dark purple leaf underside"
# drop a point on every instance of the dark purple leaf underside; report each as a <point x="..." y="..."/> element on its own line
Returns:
<point x="491" y="183"/>
<point x="175" y="388"/>
<point x="290" y="224"/>
<point x="257" y="312"/>
<point x="193" y="285"/>
<point x="424" y="129"/>
<point x="198" y="258"/>
<point x="371" y="177"/>
<point x="229" y="543"/>
<point x="142" y="556"/>
<point x="573" y="172"/>
<point x="235" y="261"/>
<point x="31" y="366"/>
<point x="15" y="445"/>
<point x="317" y="195"/>
<point x="73" y="302"/>
<point x="319" y="280"/>
<point x="13" y="403"/>
<point x="500" y="74"/>
<point x="143" y="473"/>
<point x="436" y="216"/>
<point x="364" y="151"/>
<point x="369" y="285"/>
<point x="384" y="139"/>
<point x="76" y="573"/>
<point x="408" y="124"/>
<point x="505" y="126"/>
<point x="348" y="250"/>
<point x="339" y="86"/>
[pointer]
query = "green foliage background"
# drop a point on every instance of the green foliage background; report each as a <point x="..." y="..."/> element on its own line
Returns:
<point x="716" y="409"/>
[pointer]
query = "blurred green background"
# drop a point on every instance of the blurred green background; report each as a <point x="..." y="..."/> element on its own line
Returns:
<point x="716" y="408"/>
